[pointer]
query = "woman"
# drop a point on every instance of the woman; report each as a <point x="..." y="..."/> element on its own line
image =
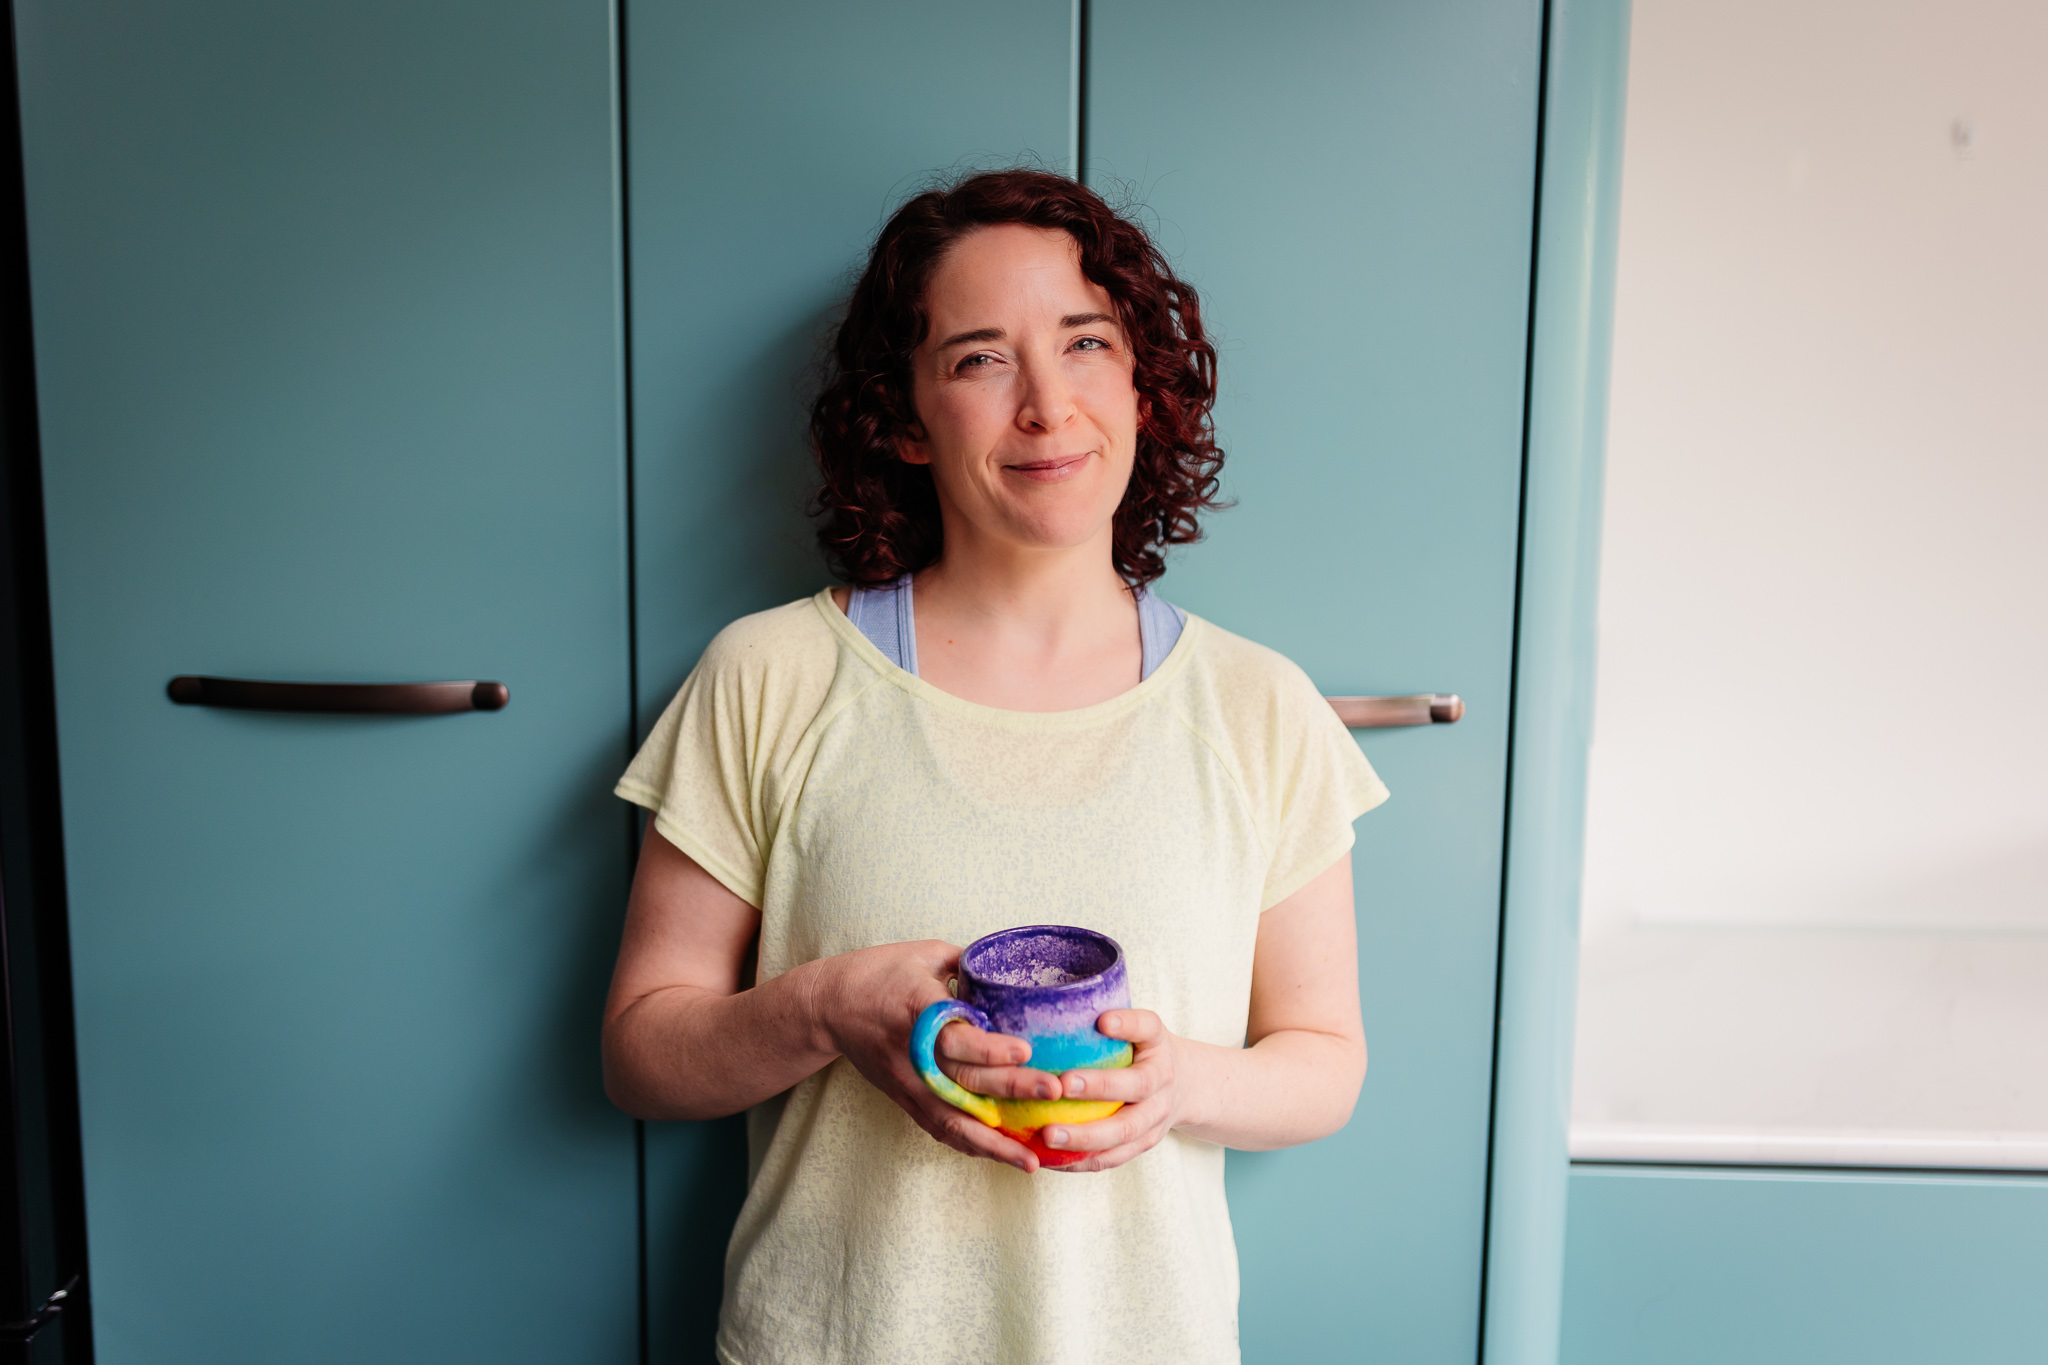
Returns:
<point x="996" y="725"/>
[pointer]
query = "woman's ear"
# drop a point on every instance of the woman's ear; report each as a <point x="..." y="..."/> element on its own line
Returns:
<point x="910" y="447"/>
<point x="912" y="440"/>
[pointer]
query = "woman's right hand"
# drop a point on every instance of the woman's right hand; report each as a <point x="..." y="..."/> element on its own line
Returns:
<point x="687" y="1036"/>
<point x="866" y="1003"/>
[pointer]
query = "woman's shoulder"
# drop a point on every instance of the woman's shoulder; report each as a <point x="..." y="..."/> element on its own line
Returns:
<point x="1300" y="769"/>
<point x="1241" y="671"/>
<point x="764" y="676"/>
<point x="791" y="638"/>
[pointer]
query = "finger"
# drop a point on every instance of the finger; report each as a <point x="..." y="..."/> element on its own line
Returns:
<point x="963" y="1042"/>
<point x="1133" y="1026"/>
<point x="965" y="1133"/>
<point x="956" y="1128"/>
<point x="1130" y="1084"/>
<point x="1005" y="1082"/>
<point x="942" y="957"/>
<point x="1109" y="1160"/>
<point x="1101" y="1135"/>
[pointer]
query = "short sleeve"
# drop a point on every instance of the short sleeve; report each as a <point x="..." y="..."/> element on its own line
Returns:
<point x="711" y="770"/>
<point x="1317" y="783"/>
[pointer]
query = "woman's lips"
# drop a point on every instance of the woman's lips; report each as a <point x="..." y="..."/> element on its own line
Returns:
<point x="1052" y="470"/>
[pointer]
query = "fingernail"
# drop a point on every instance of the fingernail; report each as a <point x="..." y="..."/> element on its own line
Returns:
<point x="1055" y="1137"/>
<point x="1043" y="1090"/>
<point x="1077" y="1085"/>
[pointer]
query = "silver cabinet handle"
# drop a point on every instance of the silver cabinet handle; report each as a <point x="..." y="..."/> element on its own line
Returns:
<point x="1379" y="713"/>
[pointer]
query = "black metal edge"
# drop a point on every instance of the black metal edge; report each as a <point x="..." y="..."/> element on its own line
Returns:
<point x="1507" y="830"/>
<point x="42" y="1231"/>
<point x="622" y="73"/>
<point x="1083" y="21"/>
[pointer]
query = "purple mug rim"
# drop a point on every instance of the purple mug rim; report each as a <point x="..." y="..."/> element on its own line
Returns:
<point x="1079" y="983"/>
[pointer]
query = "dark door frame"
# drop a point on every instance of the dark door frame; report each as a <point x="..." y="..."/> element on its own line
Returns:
<point x="45" y="1313"/>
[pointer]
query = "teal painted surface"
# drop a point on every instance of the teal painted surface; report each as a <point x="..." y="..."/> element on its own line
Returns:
<point x="1351" y="187"/>
<point x="1718" y="1267"/>
<point x="327" y="340"/>
<point x="767" y="143"/>
<point x="1587" y="55"/>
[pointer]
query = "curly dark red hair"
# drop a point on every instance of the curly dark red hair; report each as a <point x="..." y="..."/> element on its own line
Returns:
<point x="879" y="517"/>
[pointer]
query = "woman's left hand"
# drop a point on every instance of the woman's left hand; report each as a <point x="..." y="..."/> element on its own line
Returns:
<point x="1153" y="1089"/>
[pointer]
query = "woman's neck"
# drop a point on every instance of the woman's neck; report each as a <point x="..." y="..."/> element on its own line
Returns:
<point x="1027" y="630"/>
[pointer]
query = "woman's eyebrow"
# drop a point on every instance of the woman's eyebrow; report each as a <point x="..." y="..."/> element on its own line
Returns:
<point x="997" y="333"/>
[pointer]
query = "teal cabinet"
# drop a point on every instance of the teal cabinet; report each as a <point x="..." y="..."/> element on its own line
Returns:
<point x="327" y="335"/>
<point x="384" y="342"/>
<point x="1707" y="1267"/>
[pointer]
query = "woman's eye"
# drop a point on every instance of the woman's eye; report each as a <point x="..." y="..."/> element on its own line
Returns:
<point x="975" y="362"/>
<point x="1091" y="343"/>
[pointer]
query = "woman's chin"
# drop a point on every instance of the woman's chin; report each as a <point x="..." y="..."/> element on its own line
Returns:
<point x="1059" y="522"/>
<point x="1057" y="539"/>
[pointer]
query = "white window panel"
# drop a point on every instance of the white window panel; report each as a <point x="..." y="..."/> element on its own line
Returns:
<point x="1816" y="894"/>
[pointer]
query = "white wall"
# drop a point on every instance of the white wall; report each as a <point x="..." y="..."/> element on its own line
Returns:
<point x="1823" y="688"/>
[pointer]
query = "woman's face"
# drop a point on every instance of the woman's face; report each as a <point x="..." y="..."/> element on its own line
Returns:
<point x="1023" y="390"/>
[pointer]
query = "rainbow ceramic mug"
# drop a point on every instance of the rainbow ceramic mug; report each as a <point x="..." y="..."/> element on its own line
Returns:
<point x="1046" y="984"/>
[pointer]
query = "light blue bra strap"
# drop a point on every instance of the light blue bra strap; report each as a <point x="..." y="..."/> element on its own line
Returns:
<point x="1159" y="627"/>
<point x="884" y="616"/>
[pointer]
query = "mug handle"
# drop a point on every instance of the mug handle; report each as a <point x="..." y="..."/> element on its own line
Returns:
<point x="924" y="1041"/>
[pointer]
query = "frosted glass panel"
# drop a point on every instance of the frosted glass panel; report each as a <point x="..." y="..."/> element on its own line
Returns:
<point x="1816" y="892"/>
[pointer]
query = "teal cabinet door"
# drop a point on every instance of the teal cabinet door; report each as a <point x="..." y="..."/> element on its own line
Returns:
<point x="1696" y="1266"/>
<point x="766" y="144"/>
<point x="327" y="342"/>
<point x="1351" y="188"/>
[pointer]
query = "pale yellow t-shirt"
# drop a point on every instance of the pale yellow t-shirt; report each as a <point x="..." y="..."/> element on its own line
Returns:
<point x="855" y="804"/>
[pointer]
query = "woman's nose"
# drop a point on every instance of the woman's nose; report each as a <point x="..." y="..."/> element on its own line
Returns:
<point x="1048" y="400"/>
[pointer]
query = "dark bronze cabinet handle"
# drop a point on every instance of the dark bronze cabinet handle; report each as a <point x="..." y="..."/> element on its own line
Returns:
<point x="353" y="699"/>
<point x="1379" y="713"/>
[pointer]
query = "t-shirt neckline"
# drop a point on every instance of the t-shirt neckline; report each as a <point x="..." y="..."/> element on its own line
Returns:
<point x="1137" y="695"/>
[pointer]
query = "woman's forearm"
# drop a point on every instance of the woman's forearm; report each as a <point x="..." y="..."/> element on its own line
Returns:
<point x="1292" y="1086"/>
<point x="1300" y="1079"/>
<point x="689" y="1052"/>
